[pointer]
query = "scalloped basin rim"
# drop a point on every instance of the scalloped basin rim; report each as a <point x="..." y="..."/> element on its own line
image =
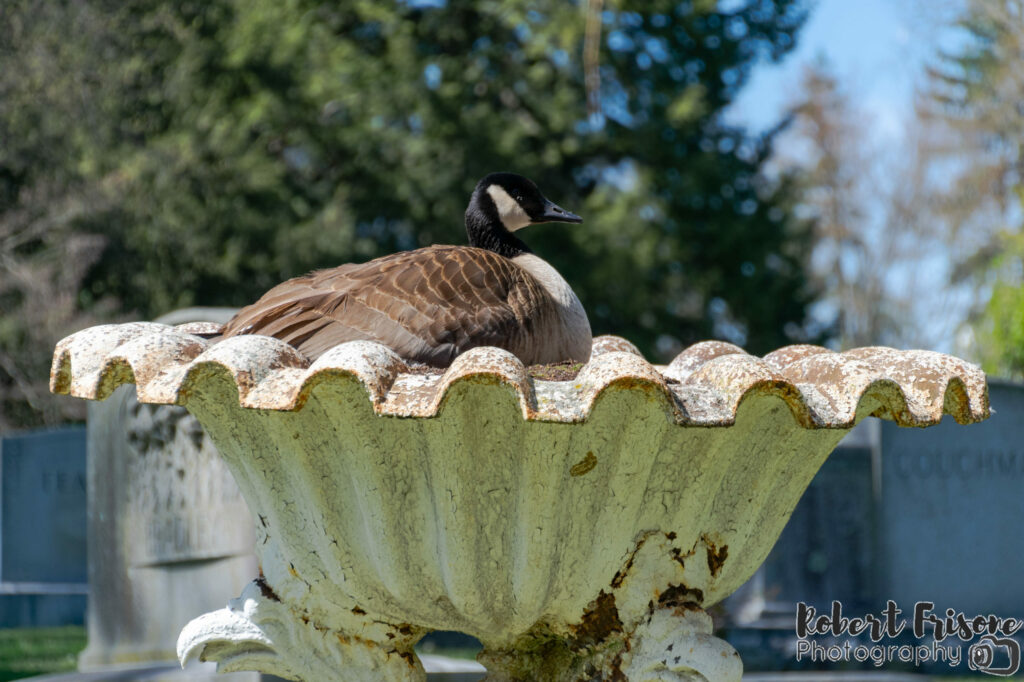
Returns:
<point x="509" y="526"/>
<point x="703" y="386"/>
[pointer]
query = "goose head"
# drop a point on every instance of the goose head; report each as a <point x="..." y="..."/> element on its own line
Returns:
<point x="504" y="203"/>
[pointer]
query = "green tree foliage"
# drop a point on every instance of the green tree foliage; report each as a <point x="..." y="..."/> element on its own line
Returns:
<point x="225" y="145"/>
<point x="48" y="99"/>
<point x="1001" y="330"/>
<point x="976" y="94"/>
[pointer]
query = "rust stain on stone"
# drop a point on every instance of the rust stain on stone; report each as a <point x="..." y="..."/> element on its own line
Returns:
<point x="358" y="611"/>
<point x="265" y="589"/>
<point x="621" y="574"/>
<point x="599" y="621"/>
<point x="584" y="466"/>
<point x="716" y="555"/>
<point x="681" y="597"/>
<point x="245" y="381"/>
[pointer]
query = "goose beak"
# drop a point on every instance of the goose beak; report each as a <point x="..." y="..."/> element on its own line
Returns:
<point x="554" y="213"/>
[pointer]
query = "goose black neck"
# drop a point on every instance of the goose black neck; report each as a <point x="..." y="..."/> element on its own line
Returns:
<point x="485" y="230"/>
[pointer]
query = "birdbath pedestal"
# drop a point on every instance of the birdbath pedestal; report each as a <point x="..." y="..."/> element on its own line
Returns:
<point x="579" y="529"/>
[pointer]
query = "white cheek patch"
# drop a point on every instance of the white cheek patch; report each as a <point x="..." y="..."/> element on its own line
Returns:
<point x="512" y="215"/>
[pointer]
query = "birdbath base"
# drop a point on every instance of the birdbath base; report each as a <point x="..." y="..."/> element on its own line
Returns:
<point x="258" y="632"/>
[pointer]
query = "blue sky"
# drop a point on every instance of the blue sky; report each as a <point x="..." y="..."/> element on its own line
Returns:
<point x="877" y="47"/>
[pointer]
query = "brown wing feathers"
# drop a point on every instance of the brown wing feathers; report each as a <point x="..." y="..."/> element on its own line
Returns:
<point x="428" y="305"/>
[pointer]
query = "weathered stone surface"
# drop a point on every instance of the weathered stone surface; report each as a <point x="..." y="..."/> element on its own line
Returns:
<point x="169" y="533"/>
<point x="558" y="522"/>
<point x="703" y="386"/>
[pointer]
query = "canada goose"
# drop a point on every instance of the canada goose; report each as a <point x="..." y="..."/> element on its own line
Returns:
<point x="431" y="304"/>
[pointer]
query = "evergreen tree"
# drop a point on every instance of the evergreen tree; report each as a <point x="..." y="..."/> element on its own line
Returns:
<point x="227" y="145"/>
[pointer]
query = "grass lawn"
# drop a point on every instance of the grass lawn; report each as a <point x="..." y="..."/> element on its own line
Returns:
<point x="25" y="652"/>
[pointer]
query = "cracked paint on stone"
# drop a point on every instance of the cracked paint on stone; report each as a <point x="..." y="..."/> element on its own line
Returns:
<point x="577" y="528"/>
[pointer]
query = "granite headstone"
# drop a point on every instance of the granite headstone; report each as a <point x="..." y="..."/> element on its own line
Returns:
<point x="952" y="504"/>
<point x="911" y="515"/>
<point x="42" y="528"/>
<point x="170" y="537"/>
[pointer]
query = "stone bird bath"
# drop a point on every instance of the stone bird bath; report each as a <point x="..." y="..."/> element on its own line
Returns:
<point x="577" y="528"/>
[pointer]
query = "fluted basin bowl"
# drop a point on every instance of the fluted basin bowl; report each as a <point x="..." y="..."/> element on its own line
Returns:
<point x="559" y="522"/>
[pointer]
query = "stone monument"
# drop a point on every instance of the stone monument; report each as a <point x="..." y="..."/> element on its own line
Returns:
<point x="951" y="510"/>
<point x="42" y="528"/>
<point x="169" y="534"/>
